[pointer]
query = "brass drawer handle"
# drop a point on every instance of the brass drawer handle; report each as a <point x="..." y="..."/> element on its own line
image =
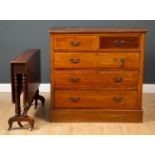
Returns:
<point x="75" y="43"/>
<point x="74" y="79"/>
<point x="121" y="61"/>
<point x="74" y="60"/>
<point x="74" y="99"/>
<point x="117" y="98"/>
<point x="118" y="79"/>
<point x="119" y="43"/>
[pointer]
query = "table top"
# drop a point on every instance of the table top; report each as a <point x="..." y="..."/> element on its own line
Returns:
<point x="25" y="56"/>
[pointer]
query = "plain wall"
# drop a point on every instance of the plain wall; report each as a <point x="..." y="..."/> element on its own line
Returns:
<point x="15" y="36"/>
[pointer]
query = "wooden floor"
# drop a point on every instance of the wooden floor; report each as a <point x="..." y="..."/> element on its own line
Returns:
<point x="44" y="127"/>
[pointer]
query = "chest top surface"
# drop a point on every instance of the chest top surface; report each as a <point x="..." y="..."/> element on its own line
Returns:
<point x="96" y="30"/>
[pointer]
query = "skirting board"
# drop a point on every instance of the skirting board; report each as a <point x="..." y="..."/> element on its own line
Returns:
<point x="45" y="87"/>
<point x="7" y="87"/>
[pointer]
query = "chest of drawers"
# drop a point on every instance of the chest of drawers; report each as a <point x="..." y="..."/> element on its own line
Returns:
<point x="96" y="74"/>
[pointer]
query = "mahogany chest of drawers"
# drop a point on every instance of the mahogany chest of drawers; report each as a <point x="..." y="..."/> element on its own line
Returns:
<point x="96" y="74"/>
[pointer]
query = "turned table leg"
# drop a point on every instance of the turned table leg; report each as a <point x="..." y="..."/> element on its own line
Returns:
<point x="26" y="105"/>
<point x="18" y="116"/>
<point x="17" y="104"/>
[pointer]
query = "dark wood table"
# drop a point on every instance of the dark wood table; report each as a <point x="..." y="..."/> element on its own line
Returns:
<point x="25" y="78"/>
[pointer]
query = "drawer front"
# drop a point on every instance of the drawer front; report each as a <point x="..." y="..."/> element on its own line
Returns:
<point x="110" y="99"/>
<point x="123" y="79"/>
<point x="71" y="42"/>
<point x="110" y="60"/>
<point x="118" y="42"/>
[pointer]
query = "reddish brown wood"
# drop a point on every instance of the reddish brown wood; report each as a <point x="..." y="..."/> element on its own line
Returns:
<point x="25" y="77"/>
<point x="108" y="99"/>
<point x="141" y="72"/>
<point x="101" y="67"/>
<point x="52" y="60"/>
<point x="120" y="41"/>
<point x="74" y="42"/>
<point x="95" y="115"/>
<point x="112" y="60"/>
<point x="92" y="30"/>
<point x="96" y="79"/>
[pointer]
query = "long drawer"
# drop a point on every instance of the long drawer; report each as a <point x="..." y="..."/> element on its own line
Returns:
<point x="110" y="99"/>
<point x="96" y="78"/>
<point x="110" y="60"/>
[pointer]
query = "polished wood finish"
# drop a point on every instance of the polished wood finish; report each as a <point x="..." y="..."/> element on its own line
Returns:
<point x="121" y="41"/>
<point x="119" y="60"/>
<point x="107" y="99"/>
<point x="95" y="115"/>
<point x="74" y="42"/>
<point x="96" y="79"/>
<point x="98" y="30"/>
<point x="96" y="74"/>
<point x="25" y="77"/>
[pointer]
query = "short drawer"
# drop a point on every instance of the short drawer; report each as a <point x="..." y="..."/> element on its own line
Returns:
<point x="74" y="42"/>
<point x="110" y="99"/>
<point x="112" y="60"/>
<point x="96" y="79"/>
<point x="119" y="42"/>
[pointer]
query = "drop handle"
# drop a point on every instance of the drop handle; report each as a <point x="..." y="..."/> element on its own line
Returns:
<point x="75" y="43"/>
<point x="119" y="43"/>
<point x="118" y="79"/>
<point x="74" y="60"/>
<point x="120" y="60"/>
<point x="117" y="99"/>
<point x="74" y="79"/>
<point x="74" y="99"/>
